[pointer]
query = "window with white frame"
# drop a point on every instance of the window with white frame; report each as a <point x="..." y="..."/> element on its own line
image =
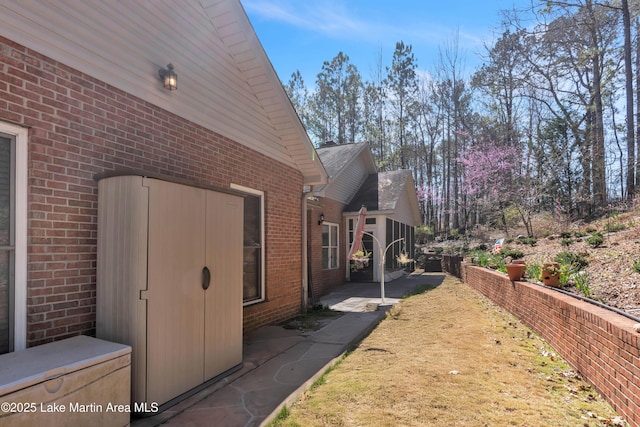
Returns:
<point x="13" y="237"/>
<point x="253" y="243"/>
<point x="329" y="246"/>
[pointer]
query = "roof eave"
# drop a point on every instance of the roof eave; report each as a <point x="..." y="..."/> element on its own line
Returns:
<point x="306" y="159"/>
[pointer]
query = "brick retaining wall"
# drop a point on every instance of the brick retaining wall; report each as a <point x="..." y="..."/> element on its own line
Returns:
<point x="600" y="344"/>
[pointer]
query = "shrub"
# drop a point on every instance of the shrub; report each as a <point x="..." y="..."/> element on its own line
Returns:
<point x="502" y="267"/>
<point x="534" y="271"/>
<point x="424" y="233"/>
<point x="513" y="253"/>
<point x="582" y="281"/>
<point x="572" y="259"/>
<point x="531" y="241"/>
<point x="591" y="230"/>
<point x="480" y="258"/>
<point x="497" y="262"/>
<point x="636" y="266"/>
<point x="579" y="234"/>
<point x="565" y="234"/>
<point x="613" y="227"/>
<point x="566" y="271"/>
<point x="512" y="216"/>
<point x="566" y="242"/>
<point x="595" y="240"/>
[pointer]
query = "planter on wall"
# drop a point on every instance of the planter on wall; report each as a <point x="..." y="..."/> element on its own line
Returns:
<point x="515" y="271"/>
<point x="569" y="324"/>
<point x="551" y="274"/>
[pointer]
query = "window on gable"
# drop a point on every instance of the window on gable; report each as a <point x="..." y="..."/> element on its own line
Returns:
<point x="329" y="246"/>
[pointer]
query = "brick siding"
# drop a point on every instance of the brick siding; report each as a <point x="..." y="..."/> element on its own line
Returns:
<point x="324" y="281"/>
<point x="598" y="343"/>
<point x="79" y="127"/>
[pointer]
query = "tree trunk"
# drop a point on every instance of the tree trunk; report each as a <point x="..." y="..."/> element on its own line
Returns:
<point x="598" y="167"/>
<point x="628" y="71"/>
<point x="637" y="135"/>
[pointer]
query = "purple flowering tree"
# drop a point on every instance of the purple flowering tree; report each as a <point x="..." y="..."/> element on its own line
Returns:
<point x="491" y="176"/>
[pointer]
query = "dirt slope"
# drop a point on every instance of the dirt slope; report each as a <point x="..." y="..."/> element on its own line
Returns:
<point x="613" y="279"/>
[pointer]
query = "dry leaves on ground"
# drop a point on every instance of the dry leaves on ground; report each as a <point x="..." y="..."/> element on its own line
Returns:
<point x="613" y="279"/>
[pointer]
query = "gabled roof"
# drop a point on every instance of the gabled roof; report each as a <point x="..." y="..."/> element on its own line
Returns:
<point x="390" y="193"/>
<point x="347" y="165"/>
<point x="391" y="186"/>
<point x="335" y="157"/>
<point x="225" y="80"/>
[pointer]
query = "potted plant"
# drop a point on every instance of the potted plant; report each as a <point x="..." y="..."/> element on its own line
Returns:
<point x="403" y="259"/>
<point x="515" y="270"/>
<point x="551" y="274"/>
<point x="360" y="260"/>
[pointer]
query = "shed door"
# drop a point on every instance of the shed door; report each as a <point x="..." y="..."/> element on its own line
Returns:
<point x="223" y="299"/>
<point x="175" y="299"/>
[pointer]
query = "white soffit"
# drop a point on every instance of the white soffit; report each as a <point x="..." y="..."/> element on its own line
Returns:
<point x="225" y="80"/>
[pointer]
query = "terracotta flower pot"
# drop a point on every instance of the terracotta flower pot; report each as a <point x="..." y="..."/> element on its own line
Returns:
<point x="515" y="271"/>
<point x="551" y="274"/>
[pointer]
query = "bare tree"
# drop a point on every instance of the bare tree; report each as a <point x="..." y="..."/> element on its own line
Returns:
<point x="501" y="79"/>
<point x="570" y="59"/>
<point x="455" y="98"/>
<point x="374" y="112"/>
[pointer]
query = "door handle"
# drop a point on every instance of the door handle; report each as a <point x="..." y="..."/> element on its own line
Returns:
<point x="206" y="278"/>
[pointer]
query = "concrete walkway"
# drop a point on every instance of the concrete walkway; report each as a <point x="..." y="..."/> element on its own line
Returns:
<point x="279" y="364"/>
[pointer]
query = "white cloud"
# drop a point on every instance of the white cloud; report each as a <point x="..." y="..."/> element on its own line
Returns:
<point x="338" y="19"/>
<point x="327" y="17"/>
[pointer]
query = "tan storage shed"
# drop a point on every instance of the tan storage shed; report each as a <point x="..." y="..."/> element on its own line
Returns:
<point x="169" y="281"/>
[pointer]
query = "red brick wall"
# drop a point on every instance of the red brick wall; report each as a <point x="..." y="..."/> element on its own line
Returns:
<point x="324" y="281"/>
<point x="79" y="127"/>
<point x="597" y="342"/>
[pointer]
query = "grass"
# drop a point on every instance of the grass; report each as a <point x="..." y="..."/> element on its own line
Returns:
<point x="449" y="357"/>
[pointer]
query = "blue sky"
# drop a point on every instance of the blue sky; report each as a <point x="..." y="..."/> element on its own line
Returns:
<point x="301" y="34"/>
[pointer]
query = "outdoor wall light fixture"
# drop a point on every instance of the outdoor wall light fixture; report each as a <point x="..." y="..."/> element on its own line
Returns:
<point x="321" y="220"/>
<point x="169" y="77"/>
